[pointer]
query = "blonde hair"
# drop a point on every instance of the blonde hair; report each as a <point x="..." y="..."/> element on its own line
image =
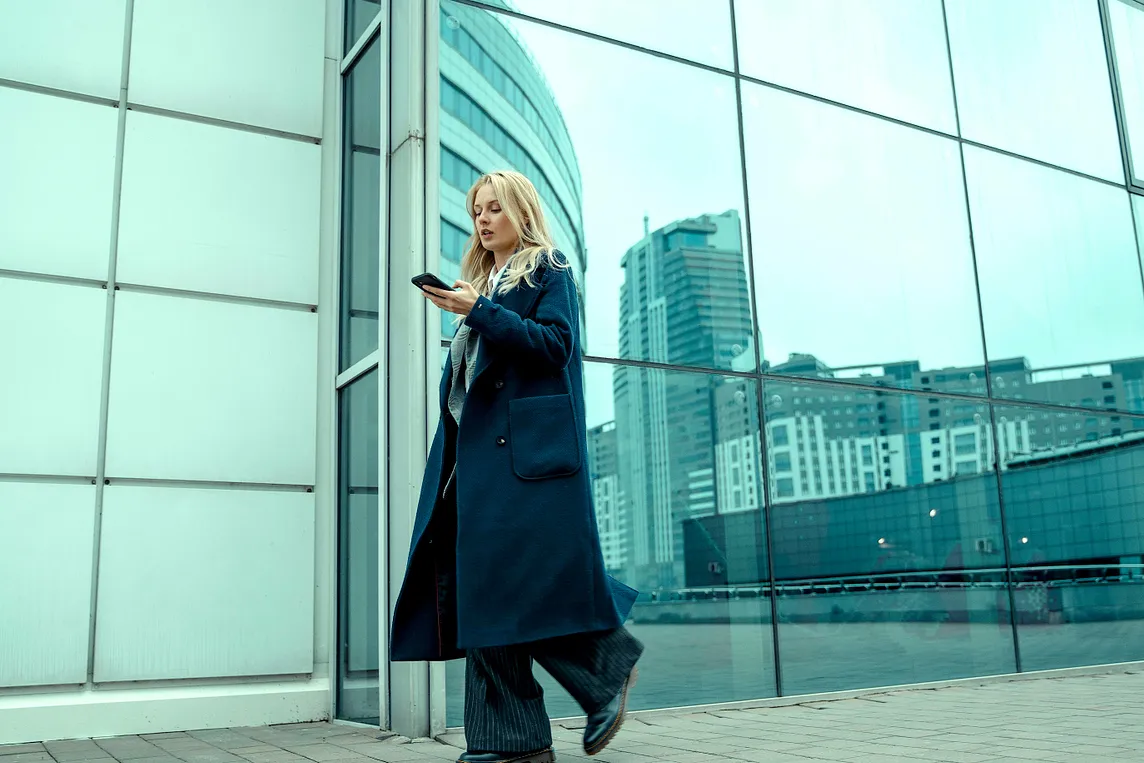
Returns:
<point x="521" y="205"/>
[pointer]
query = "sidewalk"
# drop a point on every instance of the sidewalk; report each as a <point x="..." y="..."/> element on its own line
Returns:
<point x="1087" y="719"/>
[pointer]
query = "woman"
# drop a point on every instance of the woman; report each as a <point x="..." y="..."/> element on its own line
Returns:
<point x="505" y="564"/>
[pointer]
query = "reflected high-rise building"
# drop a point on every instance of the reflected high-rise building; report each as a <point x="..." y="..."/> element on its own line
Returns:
<point x="498" y="112"/>
<point x="684" y="301"/>
<point x="608" y="496"/>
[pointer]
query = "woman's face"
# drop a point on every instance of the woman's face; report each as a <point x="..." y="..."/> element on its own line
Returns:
<point x="492" y="224"/>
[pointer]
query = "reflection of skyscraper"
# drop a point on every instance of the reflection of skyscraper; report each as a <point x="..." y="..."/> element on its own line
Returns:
<point x="684" y="301"/>
<point x="497" y="112"/>
<point x="611" y="518"/>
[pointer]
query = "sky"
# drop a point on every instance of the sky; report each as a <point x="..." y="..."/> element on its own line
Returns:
<point x="861" y="227"/>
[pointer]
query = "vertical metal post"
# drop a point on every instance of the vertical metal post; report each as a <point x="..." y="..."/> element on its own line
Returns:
<point x="404" y="314"/>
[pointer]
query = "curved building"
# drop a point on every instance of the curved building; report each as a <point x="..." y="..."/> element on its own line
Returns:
<point x="498" y="112"/>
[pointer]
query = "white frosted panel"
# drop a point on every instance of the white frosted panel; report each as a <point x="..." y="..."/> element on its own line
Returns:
<point x="46" y="536"/>
<point x="74" y="45"/>
<point x="57" y="177"/>
<point x="197" y="583"/>
<point x="257" y="62"/>
<point x="212" y="209"/>
<point x="50" y="377"/>
<point x="204" y="390"/>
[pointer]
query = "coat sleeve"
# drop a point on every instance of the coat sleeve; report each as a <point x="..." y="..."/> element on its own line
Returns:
<point x="549" y="338"/>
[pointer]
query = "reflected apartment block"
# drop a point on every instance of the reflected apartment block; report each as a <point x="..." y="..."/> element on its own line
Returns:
<point x="611" y="515"/>
<point x="1069" y="508"/>
<point x="684" y="301"/>
<point x="498" y="112"/>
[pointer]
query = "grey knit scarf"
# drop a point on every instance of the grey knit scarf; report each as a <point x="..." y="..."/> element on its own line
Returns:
<point x="463" y="356"/>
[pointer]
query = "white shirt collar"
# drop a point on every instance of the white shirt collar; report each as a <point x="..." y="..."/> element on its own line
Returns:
<point x="494" y="278"/>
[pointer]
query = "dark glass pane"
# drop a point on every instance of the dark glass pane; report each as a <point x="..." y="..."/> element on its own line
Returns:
<point x="885" y="56"/>
<point x="1073" y="486"/>
<point x="358" y="596"/>
<point x="361" y="206"/>
<point x="1032" y="78"/>
<point x="1128" y="38"/>
<point x="863" y="267"/>
<point x="888" y="555"/>
<point x="358" y="15"/>
<point x="677" y="482"/>
<point x="1060" y="284"/>
<point x="649" y="294"/>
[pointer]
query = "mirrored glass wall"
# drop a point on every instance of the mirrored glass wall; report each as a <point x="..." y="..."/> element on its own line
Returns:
<point x="864" y="314"/>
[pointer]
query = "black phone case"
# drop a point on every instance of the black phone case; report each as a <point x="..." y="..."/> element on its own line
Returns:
<point x="428" y="279"/>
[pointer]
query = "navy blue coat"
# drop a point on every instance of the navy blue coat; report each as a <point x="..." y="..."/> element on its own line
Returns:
<point x="528" y="559"/>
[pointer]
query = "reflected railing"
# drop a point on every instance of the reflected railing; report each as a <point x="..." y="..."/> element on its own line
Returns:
<point x="1053" y="576"/>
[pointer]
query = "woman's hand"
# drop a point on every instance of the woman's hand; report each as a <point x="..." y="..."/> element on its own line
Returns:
<point x="460" y="301"/>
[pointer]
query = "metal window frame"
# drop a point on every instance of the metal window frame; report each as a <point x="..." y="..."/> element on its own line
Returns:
<point x="1132" y="180"/>
<point x="375" y="360"/>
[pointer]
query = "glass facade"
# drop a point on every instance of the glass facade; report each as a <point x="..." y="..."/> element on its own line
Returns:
<point x="864" y="318"/>
<point x="361" y="206"/>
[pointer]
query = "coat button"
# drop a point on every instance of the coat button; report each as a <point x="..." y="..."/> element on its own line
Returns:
<point x="501" y="441"/>
<point x="499" y="384"/>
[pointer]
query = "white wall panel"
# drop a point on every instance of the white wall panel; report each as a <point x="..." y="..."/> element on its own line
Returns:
<point x="197" y="583"/>
<point x="51" y="348"/>
<point x="213" y="209"/>
<point x="205" y="390"/>
<point x="257" y="62"/>
<point x="74" y="45"/>
<point x="46" y="535"/>
<point x="57" y="177"/>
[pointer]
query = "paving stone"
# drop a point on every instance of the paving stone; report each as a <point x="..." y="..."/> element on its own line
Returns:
<point x="95" y="753"/>
<point x="1081" y="719"/>
<point x="20" y="749"/>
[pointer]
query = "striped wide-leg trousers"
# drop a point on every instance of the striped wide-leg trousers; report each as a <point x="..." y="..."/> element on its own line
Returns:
<point x="504" y="704"/>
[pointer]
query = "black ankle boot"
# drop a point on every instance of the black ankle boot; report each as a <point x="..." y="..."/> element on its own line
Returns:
<point x="605" y="722"/>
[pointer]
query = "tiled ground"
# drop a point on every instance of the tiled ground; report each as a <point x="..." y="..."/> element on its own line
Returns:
<point x="1087" y="719"/>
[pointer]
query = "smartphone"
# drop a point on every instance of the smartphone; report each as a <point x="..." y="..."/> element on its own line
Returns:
<point x="428" y="279"/>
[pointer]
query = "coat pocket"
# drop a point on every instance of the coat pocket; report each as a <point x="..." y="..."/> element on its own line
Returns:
<point x="545" y="437"/>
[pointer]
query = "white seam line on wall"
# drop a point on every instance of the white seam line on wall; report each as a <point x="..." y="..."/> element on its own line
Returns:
<point x="70" y="95"/>
<point x="225" y="123"/>
<point x="105" y="388"/>
<point x="18" y="275"/>
<point x="168" y="291"/>
<point x="217" y="297"/>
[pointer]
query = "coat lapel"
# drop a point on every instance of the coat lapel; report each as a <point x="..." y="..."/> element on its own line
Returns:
<point x="520" y="300"/>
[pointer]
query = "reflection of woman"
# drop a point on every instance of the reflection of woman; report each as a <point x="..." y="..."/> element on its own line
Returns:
<point x="505" y="564"/>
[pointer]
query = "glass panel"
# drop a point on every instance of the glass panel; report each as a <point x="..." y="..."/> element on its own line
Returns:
<point x="888" y="554"/>
<point x="1138" y="209"/>
<point x="361" y="208"/>
<point x="1032" y="78"/>
<point x="359" y="13"/>
<point x="886" y="56"/>
<point x="677" y="479"/>
<point x="668" y="274"/>
<point x="857" y="217"/>
<point x="1060" y="283"/>
<point x="1128" y="35"/>
<point x="1073" y="485"/>
<point x="695" y="29"/>
<point x="358" y="595"/>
